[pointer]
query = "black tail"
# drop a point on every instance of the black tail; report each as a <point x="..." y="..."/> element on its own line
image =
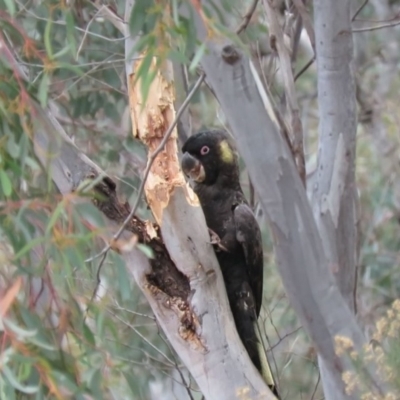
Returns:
<point x="248" y="331"/>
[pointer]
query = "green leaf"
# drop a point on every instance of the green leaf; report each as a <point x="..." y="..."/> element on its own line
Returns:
<point x="69" y="19"/>
<point x="5" y="183"/>
<point x="17" y="385"/>
<point x="47" y="38"/>
<point x="40" y="343"/>
<point x="56" y="214"/>
<point x="177" y="56"/>
<point x="10" y="4"/>
<point x="12" y="147"/>
<point x="73" y="68"/>
<point x="132" y="383"/>
<point x="175" y="12"/>
<point x="190" y="34"/>
<point x="138" y="16"/>
<point x="145" y="76"/>
<point x="144" y="66"/>
<point x="94" y="383"/>
<point x="100" y="324"/>
<point x="64" y="379"/>
<point x="88" y="335"/>
<point x="197" y="57"/>
<point x="43" y="91"/>
<point x="25" y="369"/>
<point x="146" y="250"/>
<point x="21" y="332"/>
<point x="123" y="278"/>
<point x="150" y="23"/>
<point x="63" y="51"/>
<point x="141" y="45"/>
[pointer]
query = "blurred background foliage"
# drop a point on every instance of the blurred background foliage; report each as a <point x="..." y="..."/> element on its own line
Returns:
<point x="57" y="342"/>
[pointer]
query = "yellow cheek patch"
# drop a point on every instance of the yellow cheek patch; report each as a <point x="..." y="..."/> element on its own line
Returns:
<point x="226" y="152"/>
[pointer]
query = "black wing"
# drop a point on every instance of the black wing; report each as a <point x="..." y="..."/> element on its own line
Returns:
<point x="249" y="236"/>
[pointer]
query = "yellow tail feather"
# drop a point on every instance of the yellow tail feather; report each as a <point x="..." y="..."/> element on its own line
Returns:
<point x="265" y="367"/>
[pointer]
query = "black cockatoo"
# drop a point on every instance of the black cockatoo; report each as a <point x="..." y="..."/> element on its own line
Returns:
<point x="211" y="162"/>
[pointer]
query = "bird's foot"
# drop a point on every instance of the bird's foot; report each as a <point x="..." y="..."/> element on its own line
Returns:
<point x="215" y="240"/>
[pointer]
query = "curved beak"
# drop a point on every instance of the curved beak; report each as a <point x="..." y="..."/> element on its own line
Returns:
<point x="193" y="168"/>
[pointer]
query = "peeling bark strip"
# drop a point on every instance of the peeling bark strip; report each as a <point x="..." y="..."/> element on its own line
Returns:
<point x="151" y="120"/>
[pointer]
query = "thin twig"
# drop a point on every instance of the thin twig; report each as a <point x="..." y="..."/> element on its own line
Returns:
<point x="316" y="385"/>
<point x="282" y="338"/>
<point x="247" y="17"/>
<point x="311" y="61"/>
<point x="145" y="339"/>
<point x="375" y="28"/>
<point x="188" y="389"/>
<point x="305" y="68"/>
<point x="359" y="10"/>
<point x="119" y="308"/>
<point x="152" y="158"/>
<point x="85" y="34"/>
<point x="149" y="357"/>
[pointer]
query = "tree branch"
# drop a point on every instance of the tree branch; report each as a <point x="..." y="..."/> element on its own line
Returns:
<point x="295" y="126"/>
<point x="247" y="17"/>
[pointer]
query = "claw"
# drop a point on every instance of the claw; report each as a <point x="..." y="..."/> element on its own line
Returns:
<point x="216" y="241"/>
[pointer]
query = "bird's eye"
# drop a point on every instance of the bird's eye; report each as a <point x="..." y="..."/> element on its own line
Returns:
<point x="204" y="150"/>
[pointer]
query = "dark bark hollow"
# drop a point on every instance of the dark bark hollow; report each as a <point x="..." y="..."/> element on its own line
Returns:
<point x="164" y="276"/>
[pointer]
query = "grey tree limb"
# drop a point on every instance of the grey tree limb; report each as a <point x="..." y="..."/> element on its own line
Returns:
<point x="295" y="125"/>
<point x="334" y="191"/>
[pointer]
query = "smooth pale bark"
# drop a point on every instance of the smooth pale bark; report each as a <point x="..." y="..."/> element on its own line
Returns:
<point x="334" y="192"/>
<point x="303" y="265"/>
<point x="335" y="195"/>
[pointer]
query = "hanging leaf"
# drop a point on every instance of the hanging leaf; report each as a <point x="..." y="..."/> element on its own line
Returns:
<point x="17" y="385"/>
<point x="43" y="92"/>
<point x="5" y="183"/>
<point x="138" y="16"/>
<point x="10" y="4"/>
<point x="197" y="57"/>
